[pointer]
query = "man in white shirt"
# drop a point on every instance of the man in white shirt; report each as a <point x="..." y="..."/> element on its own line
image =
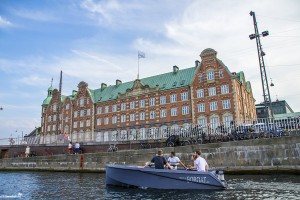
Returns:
<point x="200" y="163"/>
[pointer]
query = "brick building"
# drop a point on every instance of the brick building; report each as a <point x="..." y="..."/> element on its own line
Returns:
<point x="207" y="93"/>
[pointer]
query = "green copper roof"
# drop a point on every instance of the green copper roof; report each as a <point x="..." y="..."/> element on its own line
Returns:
<point x="47" y="100"/>
<point x="287" y="115"/>
<point x="51" y="88"/>
<point x="181" y="78"/>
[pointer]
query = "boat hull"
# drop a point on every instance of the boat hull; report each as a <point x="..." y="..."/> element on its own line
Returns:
<point x="132" y="176"/>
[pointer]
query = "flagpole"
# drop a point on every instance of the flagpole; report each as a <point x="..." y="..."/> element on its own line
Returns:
<point x="138" y="66"/>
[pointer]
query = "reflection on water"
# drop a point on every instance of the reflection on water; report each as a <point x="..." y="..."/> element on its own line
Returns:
<point x="59" y="185"/>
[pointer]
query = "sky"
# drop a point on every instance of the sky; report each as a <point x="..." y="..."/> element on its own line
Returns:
<point x="98" y="42"/>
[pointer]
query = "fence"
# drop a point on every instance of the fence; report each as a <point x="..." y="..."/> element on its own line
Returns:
<point x="188" y="133"/>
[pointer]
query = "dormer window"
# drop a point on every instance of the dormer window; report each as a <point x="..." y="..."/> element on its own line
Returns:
<point x="210" y="75"/>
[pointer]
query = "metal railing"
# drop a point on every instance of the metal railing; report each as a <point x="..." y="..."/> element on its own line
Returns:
<point x="186" y="134"/>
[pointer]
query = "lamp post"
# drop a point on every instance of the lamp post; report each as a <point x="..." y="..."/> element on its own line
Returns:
<point x="261" y="54"/>
<point x="1" y="108"/>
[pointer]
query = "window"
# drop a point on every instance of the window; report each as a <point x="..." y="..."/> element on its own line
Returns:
<point x="142" y="116"/>
<point x="87" y="100"/>
<point x="67" y="106"/>
<point x="224" y="89"/>
<point x="163" y="113"/>
<point x="132" y="105"/>
<point x="99" y="110"/>
<point x="114" y="108"/>
<point x="88" y="122"/>
<point x="123" y="106"/>
<point x="212" y="91"/>
<point x="152" y="102"/>
<point x="48" y="128"/>
<point x="75" y="113"/>
<point x="99" y="121"/>
<point x="226" y="104"/>
<point x="54" y="127"/>
<point x="132" y="117"/>
<point x="163" y="100"/>
<point x="67" y="119"/>
<point x="200" y="77"/>
<point x="200" y="93"/>
<point x="142" y="103"/>
<point x="114" y="119"/>
<point x="88" y="112"/>
<point x="81" y="113"/>
<point x="54" y="117"/>
<point x="214" y="122"/>
<point x="184" y="96"/>
<point x="213" y="105"/>
<point x="49" y="118"/>
<point x="106" y="120"/>
<point x="54" y="107"/>
<point x="81" y="101"/>
<point x="185" y="110"/>
<point x="174" y="111"/>
<point x="123" y="118"/>
<point x="81" y="124"/>
<point x="106" y="109"/>
<point x="173" y="98"/>
<point x="221" y="73"/>
<point x="152" y="114"/>
<point x="210" y="75"/>
<point x="201" y="107"/>
<point x="202" y="121"/>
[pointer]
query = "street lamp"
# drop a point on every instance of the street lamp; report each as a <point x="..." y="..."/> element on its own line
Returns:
<point x="1" y="108"/>
<point x="261" y="54"/>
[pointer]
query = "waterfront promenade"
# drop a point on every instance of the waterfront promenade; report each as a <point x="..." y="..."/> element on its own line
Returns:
<point x="266" y="155"/>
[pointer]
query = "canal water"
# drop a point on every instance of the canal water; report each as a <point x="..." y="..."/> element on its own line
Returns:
<point x="60" y="185"/>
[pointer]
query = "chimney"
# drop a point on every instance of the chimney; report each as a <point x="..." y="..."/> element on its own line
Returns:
<point x="103" y="86"/>
<point x="175" y="69"/>
<point x="197" y="63"/>
<point x="118" y="82"/>
<point x="233" y="73"/>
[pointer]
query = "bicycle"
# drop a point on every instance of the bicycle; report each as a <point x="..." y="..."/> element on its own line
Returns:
<point x="112" y="148"/>
<point x="145" y="145"/>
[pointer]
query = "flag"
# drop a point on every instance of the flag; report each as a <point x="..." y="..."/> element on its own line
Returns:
<point x="141" y="54"/>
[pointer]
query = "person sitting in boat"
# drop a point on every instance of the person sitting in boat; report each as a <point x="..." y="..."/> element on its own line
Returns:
<point x="200" y="163"/>
<point x="159" y="161"/>
<point x="174" y="161"/>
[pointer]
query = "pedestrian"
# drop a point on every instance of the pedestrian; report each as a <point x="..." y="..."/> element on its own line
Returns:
<point x="77" y="146"/>
<point x="70" y="148"/>
<point x="27" y="151"/>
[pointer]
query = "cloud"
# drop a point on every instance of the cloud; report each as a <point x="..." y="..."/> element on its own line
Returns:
<point x="4" y="22"/>
<point x="102" y="10"/>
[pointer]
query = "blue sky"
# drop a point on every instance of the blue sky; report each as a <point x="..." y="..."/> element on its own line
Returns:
<point x="97" y="42"/>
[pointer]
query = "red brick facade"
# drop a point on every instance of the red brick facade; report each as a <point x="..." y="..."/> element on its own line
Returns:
<point x="214" y="95"/>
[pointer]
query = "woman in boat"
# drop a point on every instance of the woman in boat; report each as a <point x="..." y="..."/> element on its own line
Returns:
<point x="174" y="161"/>
<point x="200" y="163"/>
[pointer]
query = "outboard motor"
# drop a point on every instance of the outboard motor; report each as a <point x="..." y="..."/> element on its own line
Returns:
<point x="220" y="175"/>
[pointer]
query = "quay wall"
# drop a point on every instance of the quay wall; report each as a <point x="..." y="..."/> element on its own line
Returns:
<point x="268" y="155"/>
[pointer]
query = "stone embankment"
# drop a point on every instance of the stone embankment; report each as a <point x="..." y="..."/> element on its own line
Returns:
<point x="270" y="155"/>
